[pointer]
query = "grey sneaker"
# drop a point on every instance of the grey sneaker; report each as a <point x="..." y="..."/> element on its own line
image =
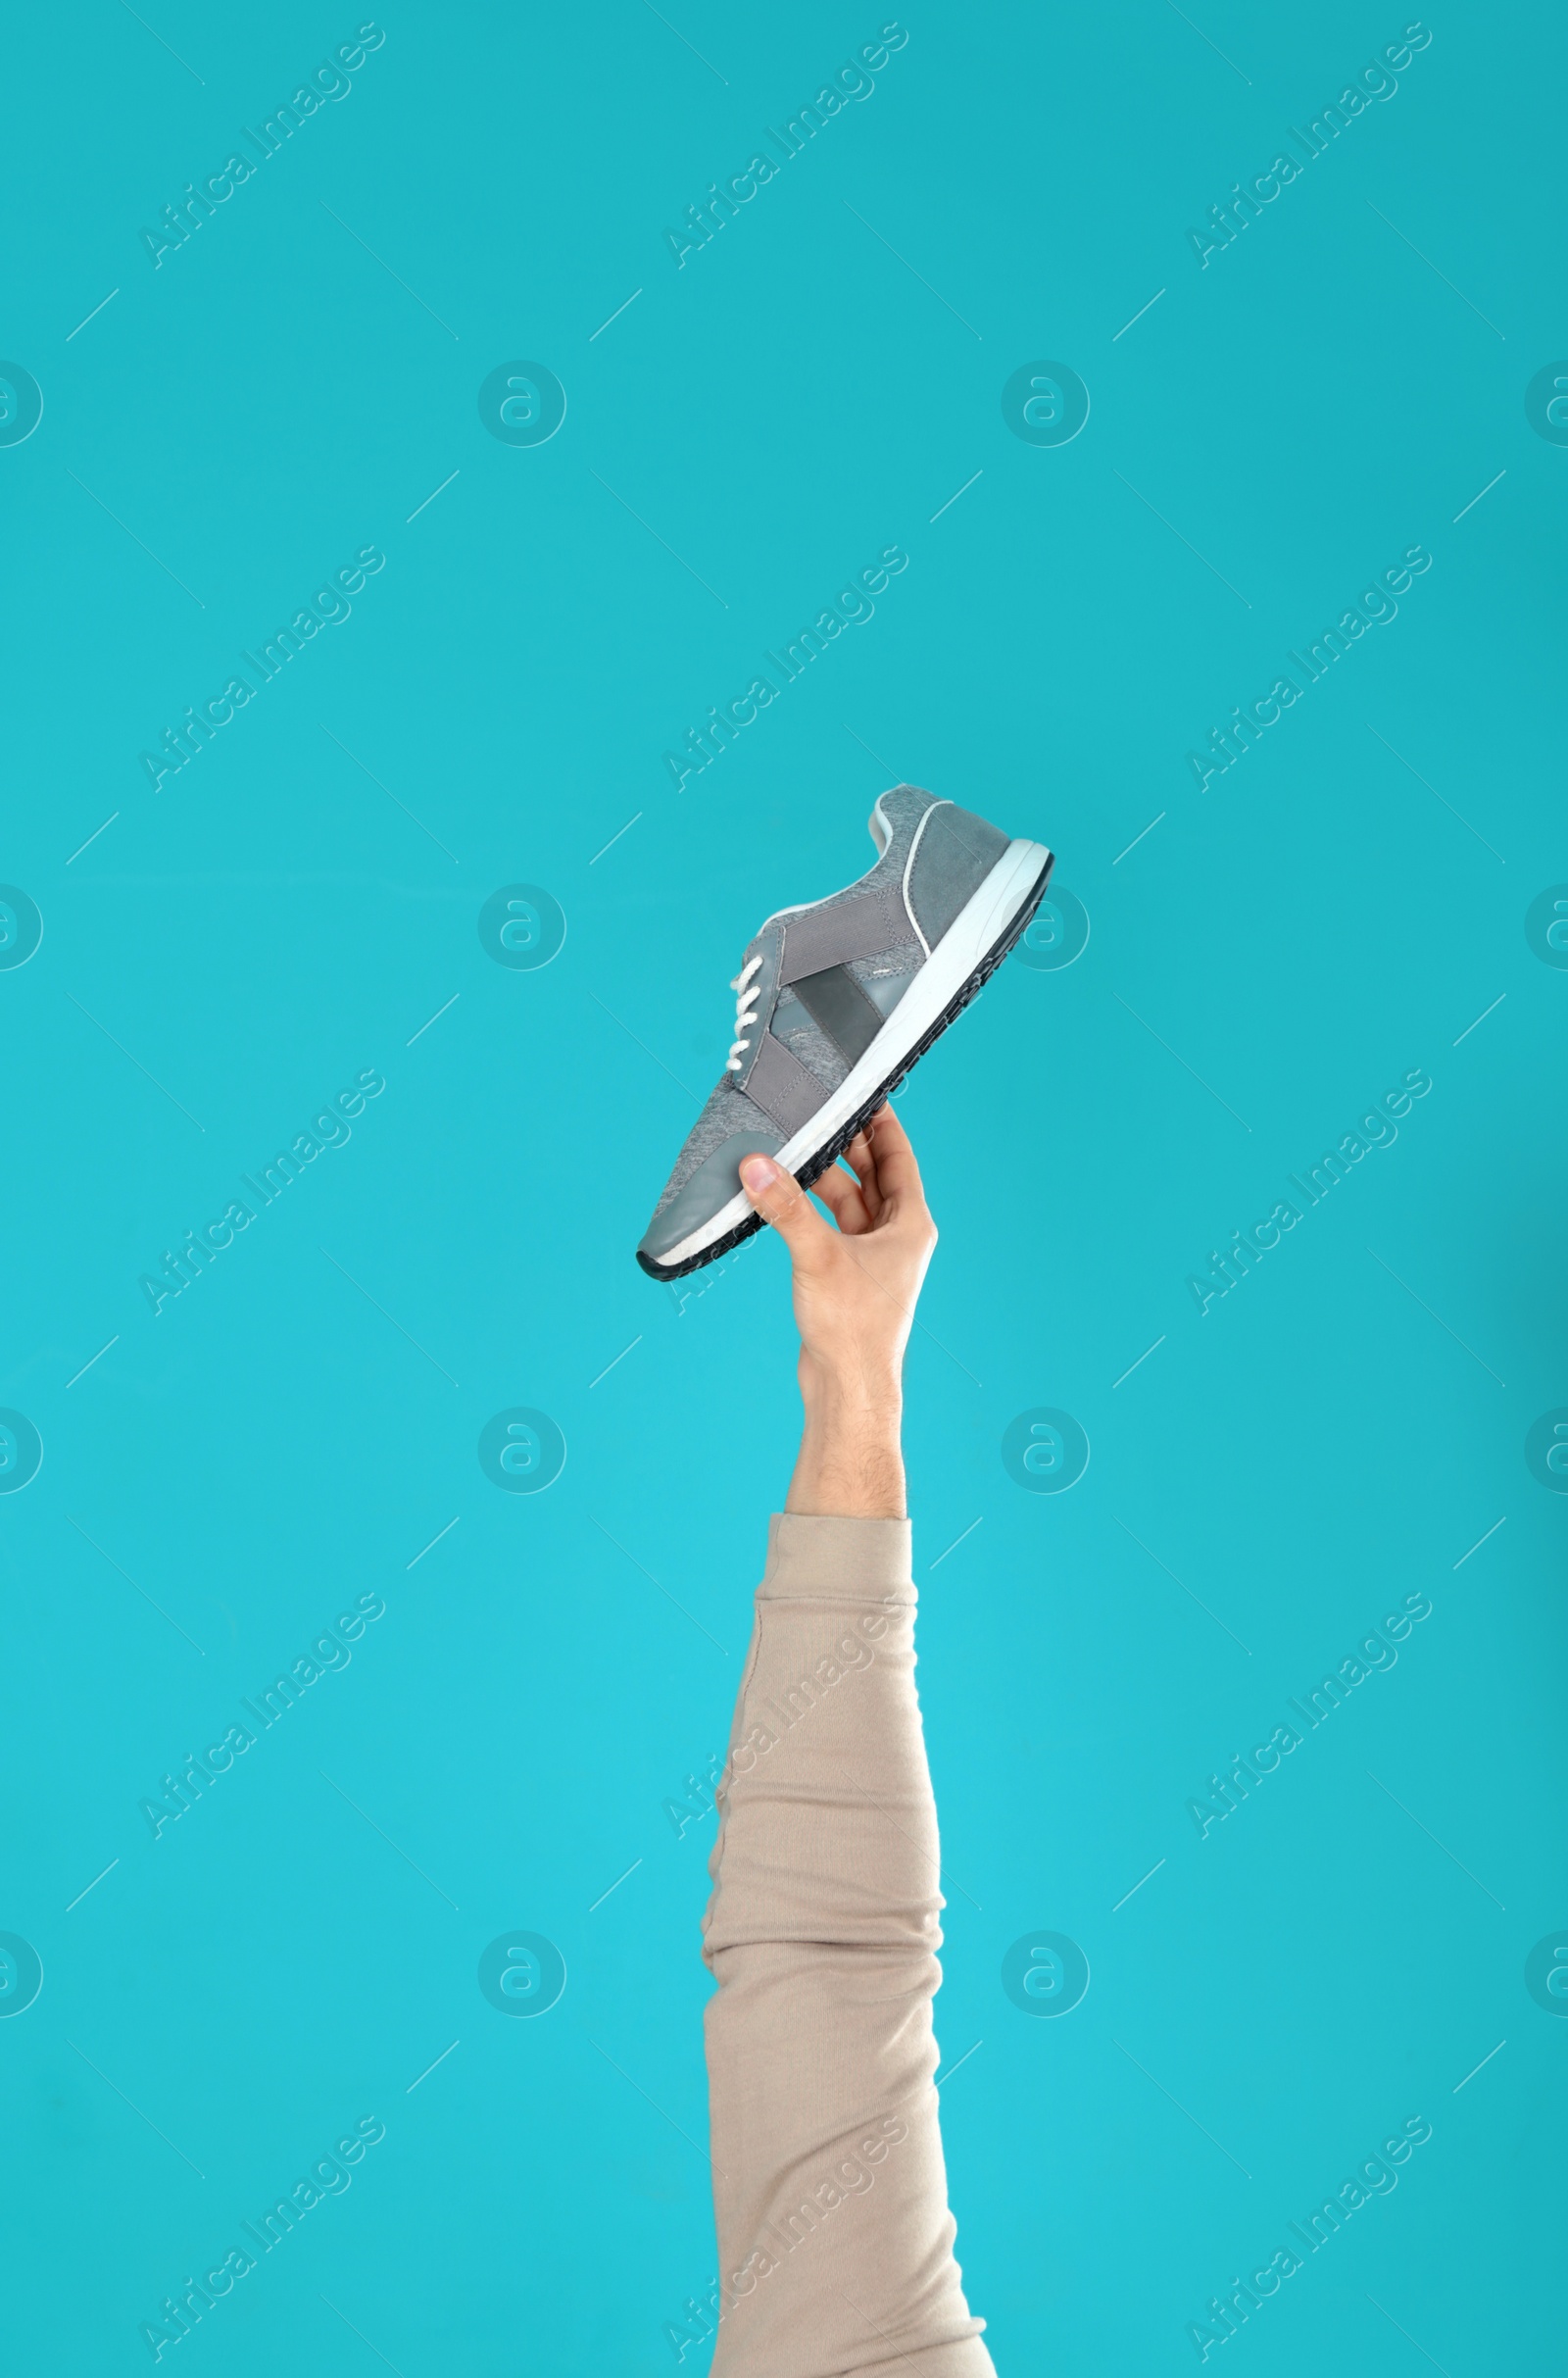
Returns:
<point x="837" y="1000"/>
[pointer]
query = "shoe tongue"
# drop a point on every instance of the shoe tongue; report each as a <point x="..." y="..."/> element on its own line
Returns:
<point x="877" y="827"/>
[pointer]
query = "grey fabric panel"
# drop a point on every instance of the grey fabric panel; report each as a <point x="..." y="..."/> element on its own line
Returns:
<point x="849" y="1018"/>
<point x="958" y="852"/>
<point x="782" y="1085"/>
<point x="858" y="926"/>
<point x="711" y="1186"/>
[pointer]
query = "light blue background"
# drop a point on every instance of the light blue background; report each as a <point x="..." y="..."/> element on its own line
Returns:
<point x="1276" y="1998"/>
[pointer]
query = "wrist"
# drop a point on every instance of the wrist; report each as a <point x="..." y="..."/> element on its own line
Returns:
<point x="846" y="1394"/>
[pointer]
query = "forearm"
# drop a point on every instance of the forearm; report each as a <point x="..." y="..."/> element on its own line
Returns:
<point x="851" y="1461"/>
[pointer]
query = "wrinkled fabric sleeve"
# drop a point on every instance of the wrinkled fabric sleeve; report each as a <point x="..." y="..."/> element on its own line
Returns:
<point x="835" y="2239"/>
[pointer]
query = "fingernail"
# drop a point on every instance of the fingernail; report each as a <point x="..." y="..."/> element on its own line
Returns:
<point x="758" y="1173"/>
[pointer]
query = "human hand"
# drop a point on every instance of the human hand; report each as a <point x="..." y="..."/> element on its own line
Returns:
<point x="855" y="1290"/>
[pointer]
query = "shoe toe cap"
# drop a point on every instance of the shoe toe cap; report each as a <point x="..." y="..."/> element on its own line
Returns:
<point x="715" y="1180"/>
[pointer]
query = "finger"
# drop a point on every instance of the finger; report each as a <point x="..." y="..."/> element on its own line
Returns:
<point x="780" y="1200"/>
<point x="898" y="1175"/>
<point x="844" y="1201"/>
<point x="858" y="1154"/>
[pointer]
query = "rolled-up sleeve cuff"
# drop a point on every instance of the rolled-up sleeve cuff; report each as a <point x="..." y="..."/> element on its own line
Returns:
<point x="811" y="1559"/>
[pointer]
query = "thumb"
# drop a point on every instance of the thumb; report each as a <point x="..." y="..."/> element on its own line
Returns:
<point x="779" y="1199"/>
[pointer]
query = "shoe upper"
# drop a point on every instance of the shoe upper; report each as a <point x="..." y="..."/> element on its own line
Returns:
<point x="818" y="982"/>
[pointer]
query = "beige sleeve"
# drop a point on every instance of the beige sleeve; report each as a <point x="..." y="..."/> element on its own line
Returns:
<point x="834" y="2235"/>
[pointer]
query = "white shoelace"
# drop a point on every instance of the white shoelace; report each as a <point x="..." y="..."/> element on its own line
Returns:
<point x="745" y="1012"/>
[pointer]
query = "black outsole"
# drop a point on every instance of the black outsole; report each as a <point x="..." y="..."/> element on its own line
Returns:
<point x="816" y="1165"/>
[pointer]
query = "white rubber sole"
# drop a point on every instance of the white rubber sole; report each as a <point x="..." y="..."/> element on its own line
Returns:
<point x="963" y="948"/>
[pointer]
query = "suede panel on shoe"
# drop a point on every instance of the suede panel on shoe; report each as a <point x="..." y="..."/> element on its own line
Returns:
<point x="953" y="857"/>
